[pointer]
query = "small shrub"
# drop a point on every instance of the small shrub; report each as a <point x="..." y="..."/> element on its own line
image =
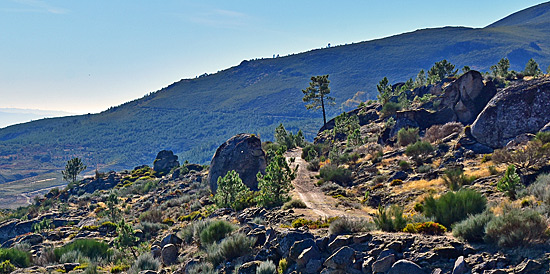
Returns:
<point x="390" y="219"/>
<point x="119" y="268"/>
<point x="215" y="231"/>
<point x="404" y="165"/>
<point x="145" y="261"/>
<point x="472" y="229"/>
<point x="510" y="183"/>
<point x="516" y="227"/>
<point x="541" y="188"/>
<point x="492" y="170"/>
<point x="335" y="174"/>
<point x="544" y="137"/>
<point x="301" y="222"/>
<point x="396" y="182"/>
<point x="283" y="266"/>
<point x="267" y="267"/>
<point x="424" y="169"/>
<point x="6" y="267"/>
<point x="90" y="248"/>
<point x="152" y="216"/>
<point x="230" y="248"/>
<point x="15" y="256"/>
<point x="313" y="165"/>
<point x="406" y="136"/>
<point x="168" y="221"/>
<point x="438" y="132"/>
<point x="202" y="268"/>
<point x="150" y="229"/>
<point x="390" y="108"/>
<point x="533" y="155"/>
<point x="294" y="203"/>
<point x="418" y="149"/>
<point x="347" y="225"/>
<point x="486" y="158"/>
<point x="453" y="207"/>
<point x="193" y="230"/>
<point x="73" y="256"/>
<point x="454" y="178"/>
<point x="429" y="228"/>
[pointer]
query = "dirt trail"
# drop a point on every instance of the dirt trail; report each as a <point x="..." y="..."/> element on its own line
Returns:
<point x="319" y="204"/>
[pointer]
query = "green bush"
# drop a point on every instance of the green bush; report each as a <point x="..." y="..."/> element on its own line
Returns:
<point x="453" y="207"/>
<point x="73" y="256"/>
<point x="231" y="191"/>
<point x="313" y="165"/>
<point x="17" y="257"/>
<point x="510" y="183"/>
<point x="347" y="225"/>
<point x="544" y="137"/>
<point x="294" y="203"/>
<point x="429" y="228"/>
<point x="516" y="227"/>
<point x="454" y="178"/>
<point x="6" y="267"/>
<point x="418" y="149"/>
<point x="90" y="248"/>
<point x="267" y="267"/>
<point x="404" y="165"/>
<point x="202" y="268"/>
<point x="311" y="152"/>
<point x="215" y="231"/>
<point x="390" y="108"/>
<point x="541" y="188"/>
<point x="390" y="219"/>
<point x="193" y="230"/>
<point x="145" y="261"/>
<point x="230" y="248"/>
<point x="336" y="174"/>
<point x="406" y="136"/>
<point x="472" y="229"/>
<point x="152" y="216"/>
<point x="119" y="268"/>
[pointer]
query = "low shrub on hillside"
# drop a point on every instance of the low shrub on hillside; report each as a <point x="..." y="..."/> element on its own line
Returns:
<point x="541" y="189"/>
<point x="533" y="155"/>
<point x="266" y="267"/>
<point x="453" y="207"/>
<point x="472" y="229"/>
<point x="336" y="174"/>
<point x="544" y="137"/>
<point x="230" y="248"/>
<point x="145" y="261"/>
<point x="152" y="216"/>
<point x="294" y="203"/>
<point x="406" y="136"/>
<point x="516" y="227"/>
<point x="90" y="248"/>
<point x="215" y="231"/>
<point x="419" y="149"/>
<point x="429" y="228"/>
<point x="347" y="225"/>
<point x="438" y="132"/>
<point x="202" y="268"/>
<point x="510" y="183"/>
<point x="191" y="233"/>
<point x="455" y="178"/>
<point x="17" y="257"/>
<point x="390" y="219"/>
<point x="389" y="109"/>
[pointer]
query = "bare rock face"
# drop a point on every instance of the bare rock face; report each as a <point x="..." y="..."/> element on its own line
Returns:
<point x="242" y="153"/>
<point x="518" y="109"/>
<point x="165" y="161"/>
<point x="467" y="96"/>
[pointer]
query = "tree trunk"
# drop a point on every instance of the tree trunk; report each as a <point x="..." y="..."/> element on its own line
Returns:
<point x="323" y="106"/>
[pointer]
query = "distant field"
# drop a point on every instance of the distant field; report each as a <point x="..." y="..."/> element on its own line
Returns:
<point x="20" y="193"/>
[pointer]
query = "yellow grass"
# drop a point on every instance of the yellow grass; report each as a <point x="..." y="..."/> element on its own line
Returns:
<point x="420" y="185"/>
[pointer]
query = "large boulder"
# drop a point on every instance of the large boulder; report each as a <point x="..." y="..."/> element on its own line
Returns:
<point x="165" y="161"/>
<point x="468" y="95"/>
<point x="242" y="153"/>
<point x="518" y="109"/>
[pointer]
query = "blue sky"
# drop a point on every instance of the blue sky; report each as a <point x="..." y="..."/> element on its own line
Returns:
<point x="85" y="56"/>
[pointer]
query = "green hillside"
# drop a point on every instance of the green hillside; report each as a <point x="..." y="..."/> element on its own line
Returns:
<point x="193" y="116"/>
